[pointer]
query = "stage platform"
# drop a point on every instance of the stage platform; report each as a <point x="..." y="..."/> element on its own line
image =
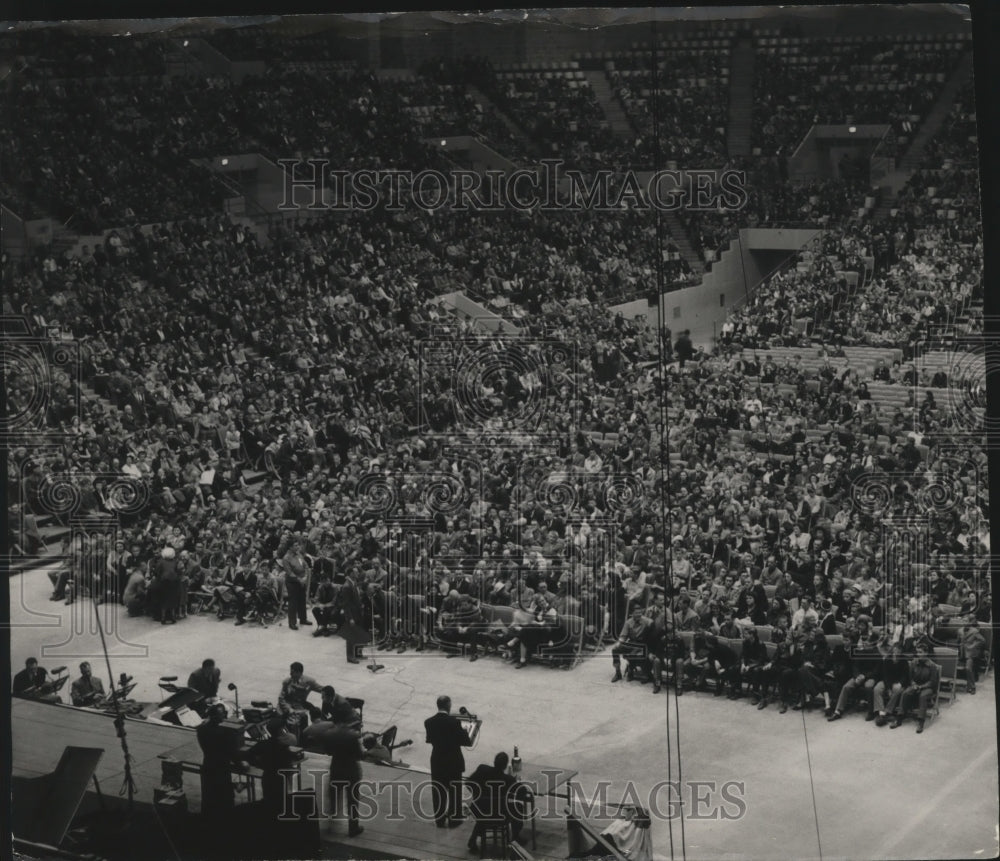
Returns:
<point x="395" y="828"/>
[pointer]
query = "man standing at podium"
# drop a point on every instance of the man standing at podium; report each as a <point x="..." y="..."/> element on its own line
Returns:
<point x="447" y="737"/>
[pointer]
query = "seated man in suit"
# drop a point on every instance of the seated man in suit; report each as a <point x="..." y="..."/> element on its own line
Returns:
<point x="893" y="677"/>
<point x="632" y="642"/>
<point x="866" y="672"/>
<point x="87" y="690"/>
<point x="206" y="680"/>
<point x="697" y="663"/>
<point x="722" y="658"/>
<point x="29" y="681"/>
<point x="924" y="677"/>
<point x="337" y="708"/>
<point x="496" y="795"/>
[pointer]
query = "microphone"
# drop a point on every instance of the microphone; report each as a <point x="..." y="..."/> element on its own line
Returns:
<point x="232" y="686"/>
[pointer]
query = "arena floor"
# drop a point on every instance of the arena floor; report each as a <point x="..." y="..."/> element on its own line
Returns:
<point x="879" y="793"/>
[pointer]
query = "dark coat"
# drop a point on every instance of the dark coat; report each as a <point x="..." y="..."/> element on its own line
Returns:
<point x="447" y="737"/>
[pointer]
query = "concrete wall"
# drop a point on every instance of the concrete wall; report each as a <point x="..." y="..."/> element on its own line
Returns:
<point x="740" y="269"/>
<point x="824" y="146"/>
<point x="40" y="231"/>
<point x="469" y="309"/>
<point x="778" y="238"/>
<point x="13" y="235"/>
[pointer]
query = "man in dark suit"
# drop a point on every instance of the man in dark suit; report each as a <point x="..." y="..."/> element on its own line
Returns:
<point x="495" y="796"/>
<point x="220" y="748"/>
<point x="26" y="683"/>
<point x="447" y="737"/>
<point x="343" y="742"/>
<point x="86" y="690"/>
<point x="920" y="693"/>
<point x="206" y="680"/>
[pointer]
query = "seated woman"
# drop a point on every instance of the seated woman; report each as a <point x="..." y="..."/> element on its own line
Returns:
<point x="542" y="628"/>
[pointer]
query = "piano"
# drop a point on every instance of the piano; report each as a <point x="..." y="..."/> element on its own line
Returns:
<point x="44" y="807"/>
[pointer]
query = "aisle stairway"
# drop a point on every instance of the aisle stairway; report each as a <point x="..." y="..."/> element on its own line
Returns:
<point x="527" y="145"/>
<point x="907" y="165"/>
<point x="614" y="113"/>
<point x="680" y="237"/>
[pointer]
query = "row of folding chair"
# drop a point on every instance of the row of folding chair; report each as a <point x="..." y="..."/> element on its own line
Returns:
<point x="850" y="41"/>
<point x="548" y="76"/>
<point x="548" y="66"/>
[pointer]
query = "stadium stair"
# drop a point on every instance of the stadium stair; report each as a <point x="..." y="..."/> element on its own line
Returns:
<point x="527" y="145"/>
<point x="679" y="234"/>
<point x="932" y="123"/>
<point x="741" y="74"/>
<point x="613" y="111"/>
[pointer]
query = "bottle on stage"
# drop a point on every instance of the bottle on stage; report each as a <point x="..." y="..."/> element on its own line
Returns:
<point x="515" y="763"/>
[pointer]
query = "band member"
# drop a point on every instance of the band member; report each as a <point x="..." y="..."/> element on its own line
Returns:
<point x="220" y="748"/>
<point x="275" y="757"/>
<point x="496" y="795"/>
<point x="86" y="690"/>
<point x="28" y="682"/>
<point x="295" y="691"/>
<point x="206" y="680"/>
<point x="447" y="737"/>
<point x="337" y="708"/>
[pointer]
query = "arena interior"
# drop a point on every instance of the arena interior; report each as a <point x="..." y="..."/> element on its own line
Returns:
<point x="679" y="486"/>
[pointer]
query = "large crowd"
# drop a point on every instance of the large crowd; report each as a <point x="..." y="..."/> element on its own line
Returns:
<point x="271" y="428"/>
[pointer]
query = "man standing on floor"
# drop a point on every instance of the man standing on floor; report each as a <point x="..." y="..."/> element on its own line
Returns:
<point x="296" y="584"/>
<point x="447" y="737"/>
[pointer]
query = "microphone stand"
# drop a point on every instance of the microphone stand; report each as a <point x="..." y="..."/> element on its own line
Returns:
<point x="128" y="784"/>
<point x="236" y="693"/>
